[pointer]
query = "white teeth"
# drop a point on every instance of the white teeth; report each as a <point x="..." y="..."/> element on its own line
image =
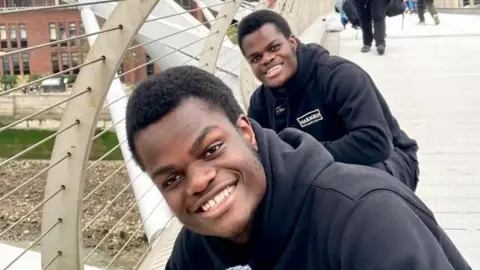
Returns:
<point x="220" y="197"/>
<point x="273" y="68"/>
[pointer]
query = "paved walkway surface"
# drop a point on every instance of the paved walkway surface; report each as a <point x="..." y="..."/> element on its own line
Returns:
<point x="430" y="76"/>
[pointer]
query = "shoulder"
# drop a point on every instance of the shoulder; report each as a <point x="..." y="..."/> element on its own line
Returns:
<point x="355" y="182"/>
<point x="257" y="102"/>
<point x="188" y="250"/>
<point x="323" y="60"/>
<point x="327" y="65"/>
<point x="337" y="67"/>
<point x="257" y="95"/>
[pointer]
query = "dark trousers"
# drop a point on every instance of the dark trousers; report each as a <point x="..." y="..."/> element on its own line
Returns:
<point x="402" y="165"/>
<point x="421" y="8"/>
<point x="372" y="10"/>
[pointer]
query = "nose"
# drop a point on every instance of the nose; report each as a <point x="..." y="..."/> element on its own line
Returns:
<point x="199" y="176"/>
<point x="268" y="58"/>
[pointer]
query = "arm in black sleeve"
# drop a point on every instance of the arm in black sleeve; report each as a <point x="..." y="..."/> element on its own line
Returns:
<point x="383" y="232"/>
<point x="257" y="110"/>
<point x="352" y="94"/>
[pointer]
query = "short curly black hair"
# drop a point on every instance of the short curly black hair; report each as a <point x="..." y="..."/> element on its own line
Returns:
<point x="255" y="20"/>
<point x="162" y="93"/>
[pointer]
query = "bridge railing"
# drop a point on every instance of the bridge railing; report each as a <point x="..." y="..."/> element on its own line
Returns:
<point x="81" y="208"/>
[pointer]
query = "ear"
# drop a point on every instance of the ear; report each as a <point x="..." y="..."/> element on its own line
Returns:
<point x="293" y="41"/>
<point x="246" y="131"/>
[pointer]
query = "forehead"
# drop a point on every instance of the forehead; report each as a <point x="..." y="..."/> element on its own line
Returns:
<point x="175" y="132"/>
<point x="261" y="37"/>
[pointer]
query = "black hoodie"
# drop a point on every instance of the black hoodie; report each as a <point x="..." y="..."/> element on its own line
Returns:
<point x="320" y="214"/>
<point x="336" y="102"/>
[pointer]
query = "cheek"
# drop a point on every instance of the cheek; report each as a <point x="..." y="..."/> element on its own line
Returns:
<point x="290" y="66"/>
<point x="256" y="69"/>
<point x="175" y="201"/>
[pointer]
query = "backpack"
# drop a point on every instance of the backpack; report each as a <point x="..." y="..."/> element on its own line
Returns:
<point x="395" y="8"/>
<point x="350" y="9"/>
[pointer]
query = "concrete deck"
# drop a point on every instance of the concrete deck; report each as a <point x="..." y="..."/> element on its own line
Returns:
<point x="430" y="76"/>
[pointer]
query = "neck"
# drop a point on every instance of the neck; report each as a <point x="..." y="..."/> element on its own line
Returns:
<point x="243" y="238"/>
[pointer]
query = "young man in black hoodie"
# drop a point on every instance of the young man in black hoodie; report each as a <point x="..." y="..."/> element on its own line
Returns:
<point x="251" y="199"/>
<point x="328" y="97"/>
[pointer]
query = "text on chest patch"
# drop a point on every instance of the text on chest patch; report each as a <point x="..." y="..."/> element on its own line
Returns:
<point x="310" y="118"/>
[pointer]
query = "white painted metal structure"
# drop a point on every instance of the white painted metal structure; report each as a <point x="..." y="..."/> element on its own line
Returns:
<point x="162" y="42"/>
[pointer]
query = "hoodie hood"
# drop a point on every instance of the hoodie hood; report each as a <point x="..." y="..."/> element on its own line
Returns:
<point x="292" y="160"/>
<point x="307" y="57"/>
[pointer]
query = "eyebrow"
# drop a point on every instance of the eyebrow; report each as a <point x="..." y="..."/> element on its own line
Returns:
<point x="162" y="170"/>
<point x="196" y="144"/>
<point x="201" y="138"/>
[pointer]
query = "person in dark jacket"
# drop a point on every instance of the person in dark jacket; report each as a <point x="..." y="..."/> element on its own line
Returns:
<point x="376" y="11"/>
<point x="328" y="97"/>
<point x="251" y="199"/>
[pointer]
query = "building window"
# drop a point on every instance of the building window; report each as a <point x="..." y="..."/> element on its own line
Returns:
<point x="150" y="66"/>
<point x="23" y="36"/>
<point x="75" y="62"/>
<point x="72" y="32"/>
<point x="62" y="34"/>
<point x="3" y="36"/>
<point x="55" y="63"/>
<point x="13" y="36"/>
<point x="6" y="65"/>
<point x="19" y="3"/>
<point x="81" y="31"/>
<point x="26" y="64"/>
<point x="16" y="64"/>
<point x="65" y="61"/>
<point x="52" y="30"/>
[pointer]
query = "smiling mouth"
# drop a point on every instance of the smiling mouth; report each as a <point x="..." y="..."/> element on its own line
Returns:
<point x="274" y="71"/>
<point x="221" y="197"/>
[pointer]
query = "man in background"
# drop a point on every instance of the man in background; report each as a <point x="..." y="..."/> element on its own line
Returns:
<point x="328" y="97"/>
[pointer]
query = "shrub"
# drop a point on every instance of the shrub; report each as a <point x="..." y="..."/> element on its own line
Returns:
<point x="34" y="77"/>
<point x="9" y="80"/>
<point x="71" y="78"/>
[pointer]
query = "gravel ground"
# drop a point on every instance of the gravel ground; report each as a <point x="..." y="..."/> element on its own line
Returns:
<point x="21" y="202"/>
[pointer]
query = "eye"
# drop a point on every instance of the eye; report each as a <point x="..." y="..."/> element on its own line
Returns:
<point x="171" y="180"/>
<point x="255" y="59"/>
<point x="275" y="48"/>
<point x="212" y="150"/>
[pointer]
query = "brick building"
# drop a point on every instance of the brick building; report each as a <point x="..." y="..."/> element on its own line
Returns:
<point x="17" y="30"/>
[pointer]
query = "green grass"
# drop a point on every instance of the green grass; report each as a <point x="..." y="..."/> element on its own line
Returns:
<point x="232" y="34"/>
<point x="13" y="141"/>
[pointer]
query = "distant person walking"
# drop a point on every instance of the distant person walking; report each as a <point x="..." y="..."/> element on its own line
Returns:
<point x="430" y="7"/>
<point x="348" y="12"/>
<point x="373" y="10"/>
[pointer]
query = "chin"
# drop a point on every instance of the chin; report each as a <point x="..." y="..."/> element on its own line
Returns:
<point x="276" y="82"/>
<point x="233" y="229"/>
<point x="274" y="85"/>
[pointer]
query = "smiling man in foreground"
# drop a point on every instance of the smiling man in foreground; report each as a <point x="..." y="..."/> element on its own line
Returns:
<point x="252" y="199"/>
